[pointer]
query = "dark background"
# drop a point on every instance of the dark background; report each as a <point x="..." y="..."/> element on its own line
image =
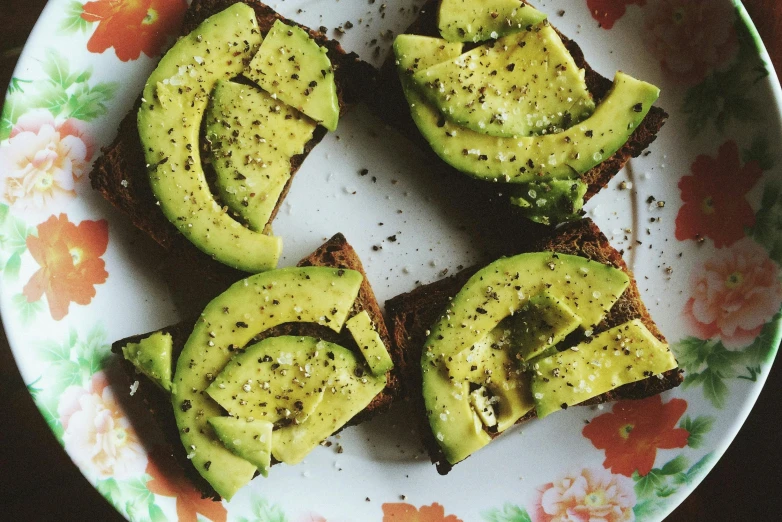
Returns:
<point x="39" y="482"/>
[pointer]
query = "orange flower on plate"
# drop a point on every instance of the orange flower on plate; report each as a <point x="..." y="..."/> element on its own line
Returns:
<point x="133" y="26"/>
<point x="715" y="204"/>
<point x="635" y="430"/>
<point x="607" y="12"/>
<point x="402" y="512"/>
<point x="168" y="480"/>
<point x="70" y="259"/>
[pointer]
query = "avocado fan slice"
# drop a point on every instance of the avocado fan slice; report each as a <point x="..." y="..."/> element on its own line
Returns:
<point x="228" y="323"/>
<point x="169" y="120"/>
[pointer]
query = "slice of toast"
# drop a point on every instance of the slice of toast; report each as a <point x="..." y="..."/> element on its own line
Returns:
<point x="151" y="400"/>
<point x="120" y="174"/>
<point x="411" y="315"/>
<point x="388" y="101"/>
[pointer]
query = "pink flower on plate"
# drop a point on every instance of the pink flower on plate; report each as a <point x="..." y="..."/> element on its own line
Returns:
<point x="734" y="294"/>
<point x="42" y="159"/>
<point x="691" y="37"/>
<point x="589" y="495"/>
<point x="98" y="436"/>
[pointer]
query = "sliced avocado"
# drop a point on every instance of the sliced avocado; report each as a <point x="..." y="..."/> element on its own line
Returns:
<point x="348" y="388"/>
<point x="152" y="357"/>
<point x="271" y="380"/>
<point x="291" y="66"/>
<point x="551" y="201"/>
<point x="524" y="84"/>
<point x="309" y="294"/>
<point x="370" y="343"/>
<point x="542" y="324"/>
<point x="252" y="138"/>
<point x="416" y="53"/>
<point x="169" y="121"/>
<point x="480" y="400"/>
<point x="489" y="296"/>
<point x="251" y="441"/>
<point x="479" y="20"/>
<point x="624" y="354"/>
<point x="521" y="160"/>
<point x="491" y="364"/>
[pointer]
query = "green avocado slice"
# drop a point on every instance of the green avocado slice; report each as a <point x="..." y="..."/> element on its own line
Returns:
<point x="624" y="354"/>
<point x="271" y="380"/>
<point x="479" y="20"/>
<point x="552" y="156"/>
<point x="369" y="342"/>
<point x="252" y="138"/>
<point x="348" y="388"/>
<point x="493" y="293"/>
<point x="152" y="357"/>
<point x="291" y="66"/>
<point x="524" y="84"/>
<point x="169" y="121"/>
<point x="491" y="364"/>
<point x="251" y="441"/>
<point x="416" y="53"/>
<point x="542" y="324"/>
<point x="309" y="294"/>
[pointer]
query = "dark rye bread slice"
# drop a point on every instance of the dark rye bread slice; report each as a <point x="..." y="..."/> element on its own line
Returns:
<point x="412" y="314"/>
<point x="389" y="103"/>
<point x="120" y="174"/>
<point x="336" y="252"/>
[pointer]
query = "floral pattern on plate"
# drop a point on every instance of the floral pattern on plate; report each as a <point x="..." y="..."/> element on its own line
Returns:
<point x="54" y="252"/>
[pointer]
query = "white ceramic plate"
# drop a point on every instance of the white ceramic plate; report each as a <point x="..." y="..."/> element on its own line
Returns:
<point x="706" y="253"/>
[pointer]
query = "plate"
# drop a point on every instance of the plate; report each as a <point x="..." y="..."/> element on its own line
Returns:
<point x="699" y="220"/>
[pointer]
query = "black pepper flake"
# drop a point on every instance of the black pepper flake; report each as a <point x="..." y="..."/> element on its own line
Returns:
<point x="242" y="324"/>
<point x="392" y="238"/>
<point x="363" y="172"/>
<point x="481" y="310"/>
<point x="186" y="405"/>
<point x="207" y="465"/>
<point x="510" y="67"/>
<point x="638" y="107"/>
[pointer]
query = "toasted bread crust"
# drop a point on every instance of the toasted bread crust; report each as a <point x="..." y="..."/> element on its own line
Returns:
<point x="388" y="101"/>
<point x="120" y="174"/>
<point x="412" y="314"/>
<point x="337" y="253"/>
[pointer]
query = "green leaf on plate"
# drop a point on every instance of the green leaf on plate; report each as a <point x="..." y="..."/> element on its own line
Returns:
<point x="762" y="349"/>
<point x="646" y="509"/>
<point x="697" y="428"/>
<point x="645" y="486"/>
<point x="16" y="104"/>
<point x="265" y="511"/>
<point x="760" y="151"/>
<point x="73" y="22"/>
<point x="108" y="488"/>
<point x="695" y="472"/>
<point x="57" y="69"/>
<point x="768" y="222"/>
<point x="54" y="352"/>
<point x="508" y="513"/>
<point x="714" y="388"/>
<point x="727" y="96"/>
<point x="26" y="310"/>
<point x="675" y="466"/>
<point x="156" y="514"/>
<point x="12" y="266"/>
<point x="87" y="103"/>
<point x="666" y="491"/>
<point x="50" y="96"/>
<point x="691" y="353"/>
